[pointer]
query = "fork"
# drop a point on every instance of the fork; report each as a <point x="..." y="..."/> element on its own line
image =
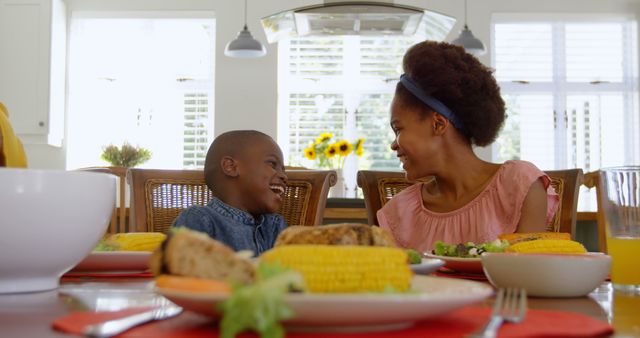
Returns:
<point x="116" y="326"/>
<point x="510" y="306"/>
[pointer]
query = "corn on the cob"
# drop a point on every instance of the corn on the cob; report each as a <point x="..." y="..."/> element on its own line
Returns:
<point x="335" y="268"/>
<point x="556" y="246"/>
<point x="529" y="236"/>
<point x="136" y="241"/>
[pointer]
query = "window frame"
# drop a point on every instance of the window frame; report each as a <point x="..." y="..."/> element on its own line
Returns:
<point x="182" y="86"/>
<point x="351" y="85"/>
<point x="560" y="88"/>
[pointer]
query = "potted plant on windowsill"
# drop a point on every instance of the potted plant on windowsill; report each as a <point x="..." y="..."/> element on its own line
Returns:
<point x="127" y="156"/>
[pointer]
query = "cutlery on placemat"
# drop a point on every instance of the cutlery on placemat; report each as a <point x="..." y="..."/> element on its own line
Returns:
<point x="510" y="306"/>
<point x="113" y="327"/>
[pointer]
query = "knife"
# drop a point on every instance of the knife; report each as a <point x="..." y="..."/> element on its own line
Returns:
<point x="113" y="327"/>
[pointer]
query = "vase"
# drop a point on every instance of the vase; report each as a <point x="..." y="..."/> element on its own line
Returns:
<point x="339" y="189"/>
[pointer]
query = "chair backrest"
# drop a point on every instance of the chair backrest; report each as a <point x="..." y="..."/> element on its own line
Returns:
<point x="567" y="185"/>
<point x="379" y="186"/>
<point x="592" y="180"/>
<point x="158" y="196"/>
<point x="306" y="196"/>
<point x="119" y="219"/>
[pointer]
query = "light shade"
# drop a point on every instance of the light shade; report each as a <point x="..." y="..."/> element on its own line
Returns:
<point x="361" y="18"/>
<point x="469" y="42"/>
<point x="245" y="46"/>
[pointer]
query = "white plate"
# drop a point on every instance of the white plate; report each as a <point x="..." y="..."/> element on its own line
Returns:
<point x="114" y="261"/>
<point x="358" y="312"/>
<point x="468" y="265"/>
<point x="427" y="266"/>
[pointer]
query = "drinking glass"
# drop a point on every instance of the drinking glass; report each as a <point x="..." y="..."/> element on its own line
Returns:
<point x="625" y="314"/>
<point x="621" y="202"/>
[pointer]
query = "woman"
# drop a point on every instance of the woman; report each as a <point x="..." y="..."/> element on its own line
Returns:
<point x="445" y="103"/>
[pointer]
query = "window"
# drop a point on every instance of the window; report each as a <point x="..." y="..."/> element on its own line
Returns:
<point x="570" y="90"/>
<point x="142" y="79"/>
<point x="343" y="85"/>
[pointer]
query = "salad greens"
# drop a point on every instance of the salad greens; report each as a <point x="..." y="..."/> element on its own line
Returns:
<point x="260" y="306"/>
<point x="104" y="246"/>
<point x="469" y="249"/>
<point x="414" y="256"/>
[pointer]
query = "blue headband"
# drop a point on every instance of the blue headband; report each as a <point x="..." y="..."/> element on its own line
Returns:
<point x="430" y="101"/>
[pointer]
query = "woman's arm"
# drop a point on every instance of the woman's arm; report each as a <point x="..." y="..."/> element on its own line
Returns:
<point x="533" y="217"/>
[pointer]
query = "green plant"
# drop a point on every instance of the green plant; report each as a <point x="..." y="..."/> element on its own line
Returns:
<point x="126" y="156"/>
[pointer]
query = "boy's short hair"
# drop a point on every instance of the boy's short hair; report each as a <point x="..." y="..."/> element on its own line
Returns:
<point x="230" y="143"/>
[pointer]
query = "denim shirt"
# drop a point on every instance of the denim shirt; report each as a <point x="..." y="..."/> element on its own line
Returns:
<point x="234" y="227"/>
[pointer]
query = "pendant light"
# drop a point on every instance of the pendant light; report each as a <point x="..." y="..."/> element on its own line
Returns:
<point x="466" y="39"/>
<point x="244" y="45"/>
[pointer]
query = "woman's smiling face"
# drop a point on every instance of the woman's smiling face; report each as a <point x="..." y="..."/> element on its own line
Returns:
<point x="414" y="143"/>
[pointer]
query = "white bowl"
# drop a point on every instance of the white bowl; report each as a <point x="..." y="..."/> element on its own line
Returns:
<point x="49" y="221"/>
<point x="547" y="275"/>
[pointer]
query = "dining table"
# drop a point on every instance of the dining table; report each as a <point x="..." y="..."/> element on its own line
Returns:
<point x="30" y="315"/>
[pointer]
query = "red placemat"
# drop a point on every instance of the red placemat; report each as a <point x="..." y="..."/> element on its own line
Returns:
<point x="143" y="274"/>
<point x="444" y="272"/>
<point x="538" y="323"/>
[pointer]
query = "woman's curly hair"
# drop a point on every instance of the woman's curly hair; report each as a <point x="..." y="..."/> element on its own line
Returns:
<point x="456" y="78"/>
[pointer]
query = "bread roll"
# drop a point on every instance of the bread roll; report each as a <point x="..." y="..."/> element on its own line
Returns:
<point x="336" y="234"/>
<point x="194" y="254"/>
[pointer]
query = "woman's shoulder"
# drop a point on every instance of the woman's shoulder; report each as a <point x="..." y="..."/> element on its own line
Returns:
<point x="520" y="165"/>
<point x="519" y="171"/>
<point x="408" y="193"/>
<point x="516" y="177"/>
<point x="408" y="201"/>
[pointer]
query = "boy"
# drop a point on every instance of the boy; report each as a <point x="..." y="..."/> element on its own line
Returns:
<point x="245" y="171"/>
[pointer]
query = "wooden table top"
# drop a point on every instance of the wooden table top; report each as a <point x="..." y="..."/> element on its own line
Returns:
<point x="31" y="314"/>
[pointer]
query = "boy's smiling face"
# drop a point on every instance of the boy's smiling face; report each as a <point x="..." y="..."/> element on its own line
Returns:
<point x="261" y="177"/>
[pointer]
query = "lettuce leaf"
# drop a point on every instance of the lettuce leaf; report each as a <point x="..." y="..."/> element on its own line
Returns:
<point x="103" y="245"/>
<point x="469" y="249"/>
<point x="260" y="306"/>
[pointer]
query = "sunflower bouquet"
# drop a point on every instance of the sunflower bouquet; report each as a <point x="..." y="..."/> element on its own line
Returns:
<point x="332" y="154"/>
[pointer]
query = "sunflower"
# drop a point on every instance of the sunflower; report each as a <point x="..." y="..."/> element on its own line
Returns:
<point x="344" y="147"/>
<point x="359" y="147"/>
<point x="310" y="153"/>
<point x="331" y="151"/>
<point x="324" y="137"/>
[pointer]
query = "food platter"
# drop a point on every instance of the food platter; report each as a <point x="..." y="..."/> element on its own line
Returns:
<point x="114" y="261"/>
<point x="430" y="296"/>
<point x="459" y="264"/>
<point x="427" y="266"/>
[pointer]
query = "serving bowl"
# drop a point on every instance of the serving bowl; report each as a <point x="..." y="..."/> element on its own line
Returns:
<point x="50" y="220"/>
<point x="547" y="275"/>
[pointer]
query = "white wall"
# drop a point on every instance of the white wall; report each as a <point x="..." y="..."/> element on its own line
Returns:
<point x="246" y="89"/>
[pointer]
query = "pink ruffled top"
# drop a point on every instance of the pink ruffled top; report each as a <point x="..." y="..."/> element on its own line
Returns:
<point x="496" y="210"/>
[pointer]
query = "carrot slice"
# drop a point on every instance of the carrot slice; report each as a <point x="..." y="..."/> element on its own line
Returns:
<point x="192" y="284"/>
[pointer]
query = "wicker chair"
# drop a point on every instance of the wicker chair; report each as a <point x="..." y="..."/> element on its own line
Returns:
<point x="592" y="180"/>
<point x="567" y="184"/>
<point x="379" y="186"/>
<point x="160" y="195"/>
<point x="119" y="219"/>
